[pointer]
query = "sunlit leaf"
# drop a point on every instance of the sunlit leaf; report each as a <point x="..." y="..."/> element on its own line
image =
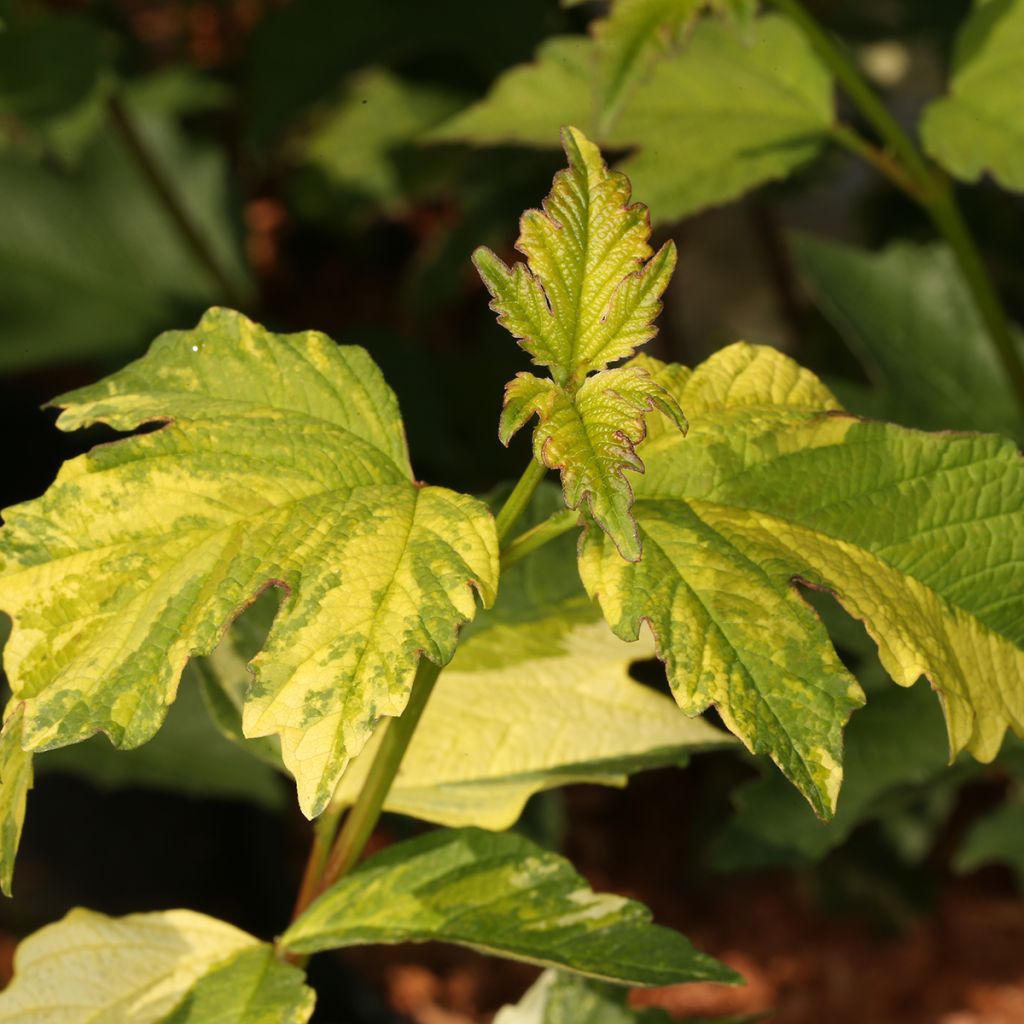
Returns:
<point x="284" y="463"/>
<point x="500" y="894"/>
<point x="978" y="128"/>
<point x="538" y="695"/>
<point x="15" y="782"/>
<point x="175" y="965"/>
<point x="919" y="535"/>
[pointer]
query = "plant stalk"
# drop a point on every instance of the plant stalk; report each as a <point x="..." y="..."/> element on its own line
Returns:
<point x="515" y="504"/>
<point x="162" y="188"/>
<point x="933" y="190"/>
<point x="537" y="536"/>
<point x="366" y="811"/>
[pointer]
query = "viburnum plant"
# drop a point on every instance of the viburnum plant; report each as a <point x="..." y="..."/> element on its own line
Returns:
<point x="699" y="502"/>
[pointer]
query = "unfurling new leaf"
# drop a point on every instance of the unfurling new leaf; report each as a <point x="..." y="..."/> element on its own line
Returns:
<point x="586" y="297"/>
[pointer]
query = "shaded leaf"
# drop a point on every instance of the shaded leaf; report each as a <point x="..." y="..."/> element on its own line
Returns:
<point x="892" y="746"/>
<point x="590" y="436"/>
<point x="730" y="112"/>
<point x="90" y="264"/>
<point x="284" y="464"/>
<point x="590" y="288"/>
<point x="919" y="535"/>
<point x="354" y="140"/>
<point x="188" y="755"/>
<point x="88" y="967"/>
<point x="997" y="838"/>
<point x="54" y="79"/>
<point x="907" y="314"/>
<point x="500" y="894"/>
<point x="977" y="128"/>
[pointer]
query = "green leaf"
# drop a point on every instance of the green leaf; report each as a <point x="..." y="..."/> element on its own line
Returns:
<point x="730" y="112"/>
<point x="590" y="436"/>
<point x="537" y="696"/>
<point x="892" y="746"/>
<point x="590" y="287"/>
<point x="997" y="838"/>
<point x="15" y="782"/>
<point x="90" y="264"/>
<point x="630" y="39"/>
<point x="253" y="987"/>
<point x="908" y="316"/>
<point x="353" y="142"/>
<point x="500" y="894"/>
<point x="283" y="464"/>
<point x="54" y="80"/>
<point x="529" y="103"/>
<point x="150" y="968"/>
<point x="558" y="998"/>
<point x="978" y="127"/>
<point x="918" y="535"/>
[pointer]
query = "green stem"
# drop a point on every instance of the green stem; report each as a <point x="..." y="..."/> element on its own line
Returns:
<point x="537" y="536"/>
<point x="933" y="190"/>
<point x="879" y="159"/>
<point x="366" y="811"/>
<point x="179" y="216"/>
<point x="346" y="846"/>
<point x="516" y="502"/>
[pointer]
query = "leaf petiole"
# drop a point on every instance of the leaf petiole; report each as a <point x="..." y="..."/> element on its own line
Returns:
<point x="515" y="504"/>
<point x="537" y="536"/>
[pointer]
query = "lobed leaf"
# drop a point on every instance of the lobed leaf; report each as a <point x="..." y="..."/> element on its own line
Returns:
<point x="590" y="287"/>
<point x="921" y="536"/>
<point x="283" y="464"/>
<point x="590" y="436"/>
<point x="977" y="127"/>
<point x="501" y="894"/>
<point x="175" y="965"/>
<point x="537" y="696"/>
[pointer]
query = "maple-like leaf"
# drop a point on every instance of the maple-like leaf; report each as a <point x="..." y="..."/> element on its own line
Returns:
<point x="282" y="463"/>
<point x="587" y="296"/>
<point x="920" y="535"/>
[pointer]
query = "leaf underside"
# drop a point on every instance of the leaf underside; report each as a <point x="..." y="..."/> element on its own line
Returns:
<point x="282" y="463"/>
<point x="921" y="536"/>
<point x="501" y="894"/>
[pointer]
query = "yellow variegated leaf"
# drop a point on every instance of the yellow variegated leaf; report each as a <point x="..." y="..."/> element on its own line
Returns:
<point x="15" y="782"/>
<point x="590" y="288"/>
<point x="919" y="535"/>
<point x="174" y="966"/>
<point x="538" y="695"/>
<point x="590" y="436"/>
<point x="282" y="463"/>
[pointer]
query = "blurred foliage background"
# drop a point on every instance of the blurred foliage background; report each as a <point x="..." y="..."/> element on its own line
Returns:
<point x="331" y="164"/>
